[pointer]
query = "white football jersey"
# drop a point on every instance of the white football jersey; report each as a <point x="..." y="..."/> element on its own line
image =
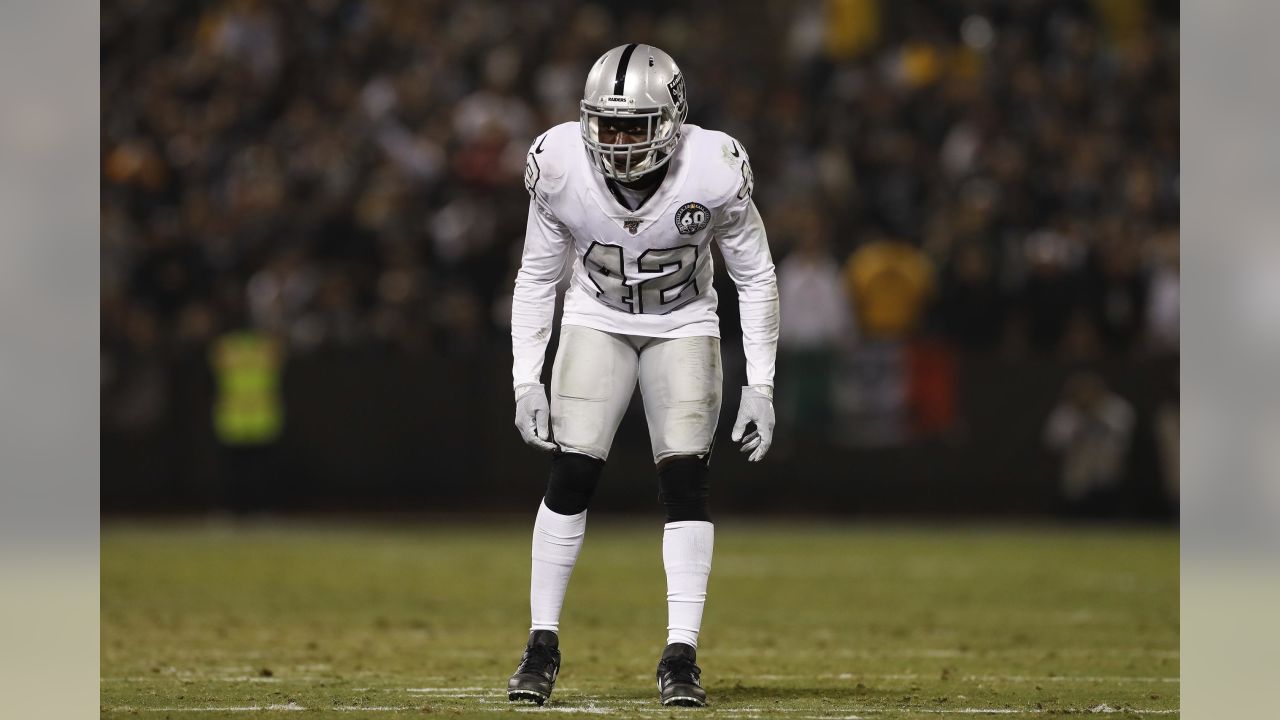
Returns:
<point x="647" y="271"/>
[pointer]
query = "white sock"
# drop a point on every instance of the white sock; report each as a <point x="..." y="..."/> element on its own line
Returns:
<point x="556" y="541"/>
<point x="686" y="554"/>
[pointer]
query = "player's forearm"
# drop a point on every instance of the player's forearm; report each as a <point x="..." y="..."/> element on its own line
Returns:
<point x="533" y="302"/>
<point x="745" y="248"/>
<point x="532" y="312"/>
<point x="527" y="366"/>
<point x="759" y="315"/>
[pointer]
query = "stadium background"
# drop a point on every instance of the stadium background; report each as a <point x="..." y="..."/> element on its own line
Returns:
<point x="313" y="496"/>
<point x="312" y="214"/>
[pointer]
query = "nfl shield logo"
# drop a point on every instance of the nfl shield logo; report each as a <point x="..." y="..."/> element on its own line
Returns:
<point x="632" y="226"/>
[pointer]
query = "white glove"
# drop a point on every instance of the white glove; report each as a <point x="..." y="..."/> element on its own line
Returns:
<point x="756" y="407"/>
<point x="533" y="416"/>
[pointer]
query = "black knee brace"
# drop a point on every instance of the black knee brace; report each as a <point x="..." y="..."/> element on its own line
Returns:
<point x="683" y="487"/>
<point x="573" y="481"/>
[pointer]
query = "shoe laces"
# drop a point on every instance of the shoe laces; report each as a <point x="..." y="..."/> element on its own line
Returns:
<point x="681" y="669"/>
<point x="538" y="657"/>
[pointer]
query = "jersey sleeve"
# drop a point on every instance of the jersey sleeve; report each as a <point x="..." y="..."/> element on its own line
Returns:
<point x="745" y="248"/>
<point x="547" y="242"/>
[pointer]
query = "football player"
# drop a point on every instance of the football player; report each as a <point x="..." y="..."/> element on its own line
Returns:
<point x="635" y="196"/>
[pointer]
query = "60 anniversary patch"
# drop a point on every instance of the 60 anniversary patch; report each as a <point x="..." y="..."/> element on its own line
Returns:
<point x="692" y="217"/>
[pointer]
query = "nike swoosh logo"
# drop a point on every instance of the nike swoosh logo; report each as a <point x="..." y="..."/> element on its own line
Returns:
<point x="735" y="150"/>
<point x="538" y="150"/>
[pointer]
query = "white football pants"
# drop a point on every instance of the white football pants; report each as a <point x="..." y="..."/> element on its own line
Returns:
<point x="595" y="375"/>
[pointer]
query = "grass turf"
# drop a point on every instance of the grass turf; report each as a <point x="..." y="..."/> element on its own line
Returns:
<point x="803" y="621"/>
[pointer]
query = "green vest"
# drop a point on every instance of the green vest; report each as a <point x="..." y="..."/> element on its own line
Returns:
<point x="248" y="409"/>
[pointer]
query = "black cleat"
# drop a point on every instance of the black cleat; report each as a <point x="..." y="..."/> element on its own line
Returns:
<point x="539" y="666"/>
<point x="678" y="677"/>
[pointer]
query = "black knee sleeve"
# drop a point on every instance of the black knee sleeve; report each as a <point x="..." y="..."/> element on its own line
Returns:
<point x="573" y="481"/>
<point x="683" y="487"/>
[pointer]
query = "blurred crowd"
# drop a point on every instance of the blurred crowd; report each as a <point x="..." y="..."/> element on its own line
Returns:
<point x="1002" y="177"/>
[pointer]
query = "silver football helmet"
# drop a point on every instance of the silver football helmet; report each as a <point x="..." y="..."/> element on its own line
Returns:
<point x="639" y="84"/>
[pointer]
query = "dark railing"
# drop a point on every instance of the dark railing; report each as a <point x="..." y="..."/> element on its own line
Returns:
<point x="371" y="432"/>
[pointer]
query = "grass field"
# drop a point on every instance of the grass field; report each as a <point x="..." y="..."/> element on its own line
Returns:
<point x="803" y="621"/>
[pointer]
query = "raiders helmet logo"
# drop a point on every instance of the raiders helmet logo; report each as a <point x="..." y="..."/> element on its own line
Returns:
<point x="676" y="88"/>
<point x="692" y="217"/>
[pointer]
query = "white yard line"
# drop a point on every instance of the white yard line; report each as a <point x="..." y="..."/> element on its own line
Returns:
<point x="589" y="710"/>
<point x="1096" y="710"/>
<point x="957" y="678"/>
<point x="491" y="689"/>
<point x="486" y="694"/>
<point x="1099" y="710"/>
<point x="1069" y="678"/>
<point x="593" y="709"/>
<point x="287" y="707"/>
<point x="369" y="708"/>
<point x="192" y="679"/>
<point x="954" y="653"/>
<point x="495" y="689"/>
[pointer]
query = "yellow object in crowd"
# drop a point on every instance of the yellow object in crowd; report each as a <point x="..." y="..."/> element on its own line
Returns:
<point x="1122" y="20"/>
<point x="921" y="64"/>
<point x="249" y="406"/>
<point x="891" y="283"/>
<point x="853" y="27"/>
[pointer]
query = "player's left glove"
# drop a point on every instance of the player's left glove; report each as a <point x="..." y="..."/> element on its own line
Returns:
<point x="755" y="407"/>
<point x="533" y="417"/>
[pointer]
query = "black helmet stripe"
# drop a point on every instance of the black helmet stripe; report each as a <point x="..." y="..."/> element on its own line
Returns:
<point x="620" y="78"/>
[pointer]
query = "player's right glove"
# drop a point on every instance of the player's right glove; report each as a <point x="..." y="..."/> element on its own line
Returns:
<point x="533" y="416"/>
<point x="755" y="408"/>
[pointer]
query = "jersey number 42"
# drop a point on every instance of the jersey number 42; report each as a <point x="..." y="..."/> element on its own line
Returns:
<point x="667" y="280"/>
